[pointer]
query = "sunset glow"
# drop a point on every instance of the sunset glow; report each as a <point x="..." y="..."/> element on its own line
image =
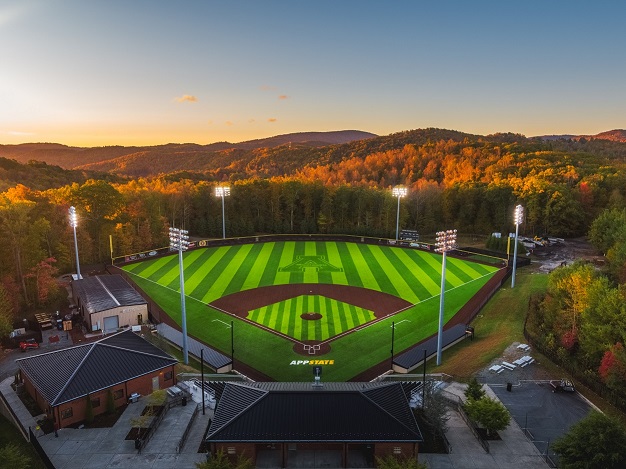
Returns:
<point x="146" y="73"/>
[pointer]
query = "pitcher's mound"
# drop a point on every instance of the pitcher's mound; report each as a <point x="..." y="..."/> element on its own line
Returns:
<point x="311" y="316"/>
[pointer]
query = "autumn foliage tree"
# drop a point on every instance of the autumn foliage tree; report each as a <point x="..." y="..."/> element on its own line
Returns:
<point x="612" y="368"/>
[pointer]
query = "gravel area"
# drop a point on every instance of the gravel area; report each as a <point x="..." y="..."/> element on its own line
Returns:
<point x="532" y="372"/>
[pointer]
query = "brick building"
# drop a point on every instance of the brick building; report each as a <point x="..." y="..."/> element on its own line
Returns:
<point x="347" y="424"/>
<point x="118" y="365"/>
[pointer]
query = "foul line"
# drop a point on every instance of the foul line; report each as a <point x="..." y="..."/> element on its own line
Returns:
<point x="331" y="339"/>
<point x="273" y="331"/>
<point x="219" y="320"/>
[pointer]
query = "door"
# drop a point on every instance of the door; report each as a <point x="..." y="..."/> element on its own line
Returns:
<point x="155" y="383"/>
<point x="111" y="323"/>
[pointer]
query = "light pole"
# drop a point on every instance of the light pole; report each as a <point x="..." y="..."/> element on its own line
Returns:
<point x="223" y="191"/>
<point x="74" y="224"/>
<point x="179" y="240"/>
<point x="519" y="216"/>
<point x="446" y="241"/>
<point x="399" y="192"/>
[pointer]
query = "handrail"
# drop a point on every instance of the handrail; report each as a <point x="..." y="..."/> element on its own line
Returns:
<point x="470" y="423"/>
<point x="183" y="439"/>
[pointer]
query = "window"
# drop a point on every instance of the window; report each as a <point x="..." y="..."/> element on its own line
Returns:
<point x="95" y="402"/>
<point x="397" y="450"/>
<point x="231" y="450"/>
<point x="118" y="394"/>
<point x="167" y="376"/>
<point x="67" y="413"/>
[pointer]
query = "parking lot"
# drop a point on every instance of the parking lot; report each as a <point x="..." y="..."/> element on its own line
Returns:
<point x="544" y="414"/>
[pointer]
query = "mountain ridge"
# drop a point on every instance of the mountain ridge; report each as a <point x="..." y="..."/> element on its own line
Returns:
<point x="280" y="155"/>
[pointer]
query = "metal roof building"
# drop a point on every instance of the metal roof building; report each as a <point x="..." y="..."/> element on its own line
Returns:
<point x="122" y="363"/>
<point x="349" y="420"/>
<point x="108" y="302"/>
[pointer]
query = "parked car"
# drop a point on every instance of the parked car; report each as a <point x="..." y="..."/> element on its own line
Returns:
<point x="28" y="344"/>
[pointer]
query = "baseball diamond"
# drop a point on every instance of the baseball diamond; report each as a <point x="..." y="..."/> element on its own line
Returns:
<point x="355" y="291"/>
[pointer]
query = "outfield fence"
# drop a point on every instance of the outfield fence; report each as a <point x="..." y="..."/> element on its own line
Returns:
<point x="475" y="254"/>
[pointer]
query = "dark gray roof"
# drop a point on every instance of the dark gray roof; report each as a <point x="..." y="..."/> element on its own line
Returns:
<point x="212" y="357"/>
<point x="105" y="292"/>
<point x="246" y="413"/>
<point x="415" y="355"/>
<point x="65" y="375"/>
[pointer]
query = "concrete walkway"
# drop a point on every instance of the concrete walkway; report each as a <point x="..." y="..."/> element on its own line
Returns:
<point x="93" y="448"/>
<point x="513" y="451"/>
<point x="107" y="447"/>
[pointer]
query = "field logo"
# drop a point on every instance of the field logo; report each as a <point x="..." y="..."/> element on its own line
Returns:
<point x="319" y="263"/>
<point x="312" y="362"/>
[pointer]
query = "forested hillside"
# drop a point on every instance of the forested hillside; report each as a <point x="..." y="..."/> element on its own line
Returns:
<point x="455" y="180"/>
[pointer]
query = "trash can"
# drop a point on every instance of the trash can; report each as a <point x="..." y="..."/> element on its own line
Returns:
<point x="509" y="387"/>
<point x="184" y="401"/>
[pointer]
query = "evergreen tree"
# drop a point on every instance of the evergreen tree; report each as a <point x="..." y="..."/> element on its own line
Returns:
<point x="88" y="410"/>
<point x="11" y="456"/>
<point x="474" y="390"/>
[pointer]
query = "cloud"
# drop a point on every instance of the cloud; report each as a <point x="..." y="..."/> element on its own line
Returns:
<point x="210" y="122"/>
<point x="272" y="119"/>
<point x="251" y="121"/>
<point x="230" y="123"/>
<point x="283" y="96"/>
<point x="18" y="133"/>
<point x="186" y="98"/>
<point x="267" y="88"/>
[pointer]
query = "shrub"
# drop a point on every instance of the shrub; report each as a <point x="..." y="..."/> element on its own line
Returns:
<point x="110" y="405"/>
<point x="88" y="410"/>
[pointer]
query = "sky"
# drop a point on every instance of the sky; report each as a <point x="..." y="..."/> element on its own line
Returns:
<point x="139" y="72"/>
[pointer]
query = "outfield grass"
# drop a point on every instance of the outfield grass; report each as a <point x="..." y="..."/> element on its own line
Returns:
<point x="500" y="323"/>
<point x="215" y="272"/>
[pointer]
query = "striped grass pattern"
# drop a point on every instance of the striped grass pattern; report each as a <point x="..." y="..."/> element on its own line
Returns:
<point x="337" y="317"/>
<point x="215" y="272"/>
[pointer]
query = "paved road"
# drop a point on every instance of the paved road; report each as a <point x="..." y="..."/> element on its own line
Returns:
<point x="8" y="366"/>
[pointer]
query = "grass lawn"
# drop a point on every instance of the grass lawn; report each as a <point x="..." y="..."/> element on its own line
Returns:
<point x="500" y="323"/>
<point x="10" y="434"/>
<point x="215" y="272"/>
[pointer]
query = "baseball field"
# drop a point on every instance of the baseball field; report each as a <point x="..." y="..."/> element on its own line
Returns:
<point x="296" y="301"/>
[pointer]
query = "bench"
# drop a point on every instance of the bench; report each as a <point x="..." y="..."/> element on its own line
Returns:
<point x="524" y="347"/>
<point x="508" y="365"/>
<point x="496" y="369"/>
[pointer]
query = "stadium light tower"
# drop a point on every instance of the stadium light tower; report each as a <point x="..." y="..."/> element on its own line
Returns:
<point x="519" y="216"/>
<point x="399" y="192"/>
<point x="446" y="241"/>
<point x="223" y="191"/>
<point x="179" y="240"/>
<point x="74" y="224"/>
